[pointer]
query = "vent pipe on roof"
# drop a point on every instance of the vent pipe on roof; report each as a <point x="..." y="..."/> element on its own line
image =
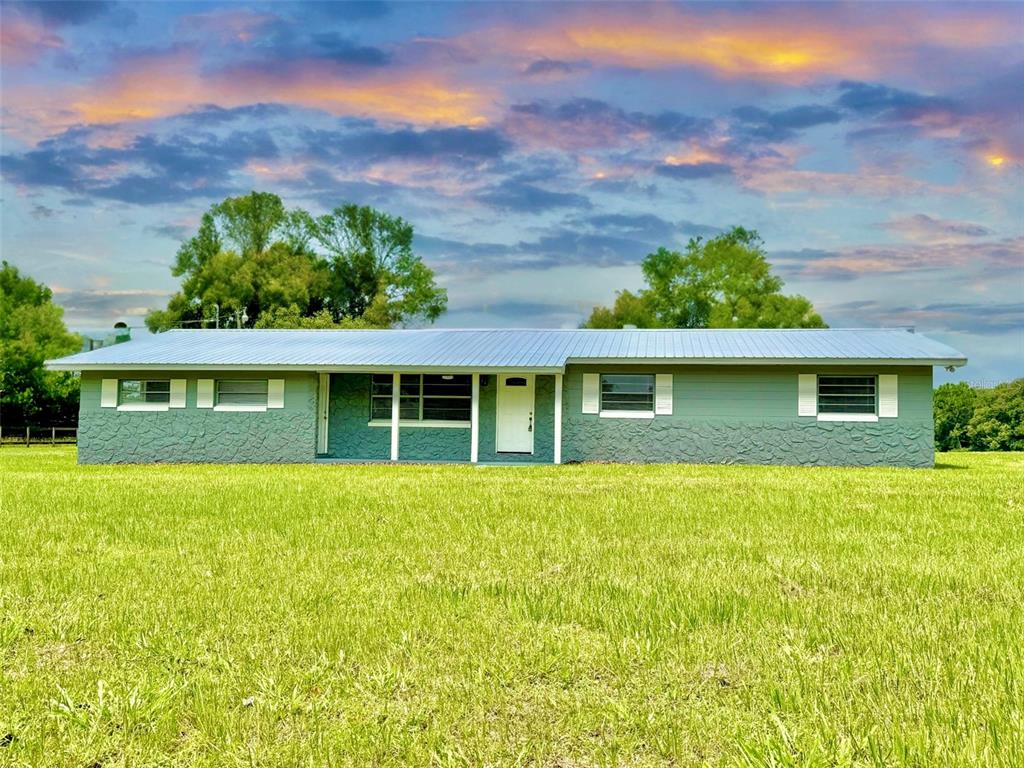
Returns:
<point x="629" y="327"/>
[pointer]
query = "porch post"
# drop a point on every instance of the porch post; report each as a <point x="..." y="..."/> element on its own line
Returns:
<point x="396" y="383"/>
<point x="324" y="411"/>
<point x="558" y="418"/>
<point x="474" y="421"/>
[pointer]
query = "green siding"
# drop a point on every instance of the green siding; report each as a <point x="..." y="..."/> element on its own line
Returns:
<point x="190" y="434"/>
<point x="748" y="414"/>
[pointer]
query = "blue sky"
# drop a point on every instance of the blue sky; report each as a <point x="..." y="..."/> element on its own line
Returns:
<point x="540" y="150"/>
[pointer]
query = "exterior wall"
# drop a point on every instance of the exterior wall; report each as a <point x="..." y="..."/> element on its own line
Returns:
<point x="748" y="415"/>
<point x="190" y="434"/>
<point x="350" y="437"/>
<point x="543" y="423"/>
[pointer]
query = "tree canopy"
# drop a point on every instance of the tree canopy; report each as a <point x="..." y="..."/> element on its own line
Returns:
<point x="980" y="419"/>
<point x="253" y="263"/>
<point x="724" y="282"/>
<point x="32" y="331"/>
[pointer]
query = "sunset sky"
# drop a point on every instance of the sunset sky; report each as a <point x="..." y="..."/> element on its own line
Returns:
<point x="540" y="150"/>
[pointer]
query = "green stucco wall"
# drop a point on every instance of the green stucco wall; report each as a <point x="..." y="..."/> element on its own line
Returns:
<point x="748" y="415"/>
<point x="190" y="434"/>
<point x="350" y="436"/>
<point x="721" y="414"/>
<point x="543" y="423"/>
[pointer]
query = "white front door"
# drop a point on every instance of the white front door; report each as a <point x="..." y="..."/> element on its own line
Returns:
<point x="515" y="413"/>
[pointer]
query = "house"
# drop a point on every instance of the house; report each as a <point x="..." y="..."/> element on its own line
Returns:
<point x="834" y="397"/>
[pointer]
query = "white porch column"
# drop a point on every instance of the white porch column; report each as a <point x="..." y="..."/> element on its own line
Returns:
<point x="396" y="383"/>
<point x="558" y="418"/>
<point x="324" y="406"/>
<point x="474" y="421"/>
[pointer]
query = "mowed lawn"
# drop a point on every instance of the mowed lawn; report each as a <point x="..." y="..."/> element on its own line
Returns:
<point x="548" y="616"/>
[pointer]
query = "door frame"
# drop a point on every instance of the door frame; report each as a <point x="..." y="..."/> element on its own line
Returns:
<point x="532" y="379"/>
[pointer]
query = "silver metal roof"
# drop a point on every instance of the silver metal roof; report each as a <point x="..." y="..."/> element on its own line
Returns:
<point x="507" y="350"/>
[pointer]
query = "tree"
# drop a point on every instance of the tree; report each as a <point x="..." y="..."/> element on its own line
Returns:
<point x="953" y="406"/>
<point x="32" y="331"/>
<point x="725" y="282"/>
<point x="998" y="420"/>
<point x="252" y="256"/>
<point x="372" y="263"/>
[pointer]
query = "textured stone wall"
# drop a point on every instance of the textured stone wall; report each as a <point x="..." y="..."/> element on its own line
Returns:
<point x="348" y="436"/>
<point x="433" y="444"/>
<point x="748" y="415"/>
<point x="188" y="435"/>
<point x="750" y="442"/>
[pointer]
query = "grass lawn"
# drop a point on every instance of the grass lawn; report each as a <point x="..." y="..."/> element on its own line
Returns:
<point x="550" y="616"/>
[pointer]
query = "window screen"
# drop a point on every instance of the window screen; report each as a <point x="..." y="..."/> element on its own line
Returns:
<point x="422" y="397"/>
<point x="846" y="394"/>
<point x="242" y="392"/>
<point x="627" y="392"/>
<point x="144" y="391"/>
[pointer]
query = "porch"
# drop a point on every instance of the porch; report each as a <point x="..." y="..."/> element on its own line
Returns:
<point x="510" y="417"/>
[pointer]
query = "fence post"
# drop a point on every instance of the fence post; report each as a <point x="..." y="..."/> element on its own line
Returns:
<point x="53" y="435"/>
<point x="27" y="433"/>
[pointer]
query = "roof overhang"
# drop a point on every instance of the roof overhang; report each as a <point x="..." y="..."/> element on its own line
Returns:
<point x="55" y="365"/>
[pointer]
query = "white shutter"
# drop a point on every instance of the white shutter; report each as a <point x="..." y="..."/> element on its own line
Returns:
<point x="204" y="393"/>
<point x="808" y="399"/>
<point x="177" y="393"/>
<point x="108" y="394"/>
<point x="663" y="394"/>
<point x="591" y="392"/>
<point x="888" y="396"/>
<point x="275" y="393"/>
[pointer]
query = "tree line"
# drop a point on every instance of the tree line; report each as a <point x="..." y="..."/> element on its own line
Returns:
<point x="979" y="418"/>
<point x="255" y="264"/>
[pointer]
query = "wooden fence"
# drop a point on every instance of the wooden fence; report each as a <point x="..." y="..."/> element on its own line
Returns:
<point x="28" y="436"/>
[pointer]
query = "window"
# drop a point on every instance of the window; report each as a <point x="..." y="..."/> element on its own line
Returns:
<point x="846" y="394"/>
<point x="151" y="391"/>
<point x="627" y="392"/>
<point x="422" y="397"/>
<point x="242" y="392"/>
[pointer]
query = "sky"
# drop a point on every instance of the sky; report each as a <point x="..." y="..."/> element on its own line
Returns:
<point x="540" y="150"/>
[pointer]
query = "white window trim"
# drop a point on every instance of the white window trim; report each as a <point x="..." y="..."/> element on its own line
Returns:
<point x="422" y="424"/>
<point x="240" y="408"/>
<point x="847" y="417"/>
<point x="144" y="407"/>
<point x="626" y="414"/>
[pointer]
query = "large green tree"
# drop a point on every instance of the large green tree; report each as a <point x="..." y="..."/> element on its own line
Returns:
<point x="724" y="282"/>
<point x="253" y="263"/>
<point x="953" y="407"/>
<point x="32" y="331"/>
<point x="997" y="423"/>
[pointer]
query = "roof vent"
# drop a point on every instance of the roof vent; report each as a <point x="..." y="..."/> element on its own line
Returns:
<point x="628" y="327"/>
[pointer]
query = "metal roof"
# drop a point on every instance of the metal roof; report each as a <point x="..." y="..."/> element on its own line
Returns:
<point x="507" y="350"/>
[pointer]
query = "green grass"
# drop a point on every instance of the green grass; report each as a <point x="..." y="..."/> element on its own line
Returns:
<point x="580" y="615"/>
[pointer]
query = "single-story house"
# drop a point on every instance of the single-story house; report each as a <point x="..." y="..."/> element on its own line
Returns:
<point x="500" y="396"/>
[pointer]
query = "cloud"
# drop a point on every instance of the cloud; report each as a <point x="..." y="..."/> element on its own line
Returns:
<point x="689" y="171"/>
<point x="762" y="42"/>
<point x="785" y="124"/>
<point x="365" y="145"/>
<point x="963" y="317"/>
<point x="922" y="228"/>
<point x="552" y="69"/>
<point x="349" y="10"/>
<point x="151" y="85"/>
<point x="172" y="231"/>
<point x="875" y="99"/>
<point x="62" y="12"/>
<point x="515" y="195"/>
<point x="211" y="115"/>
<point x="148" y="170"/>
<point x="587" y="123"/>
<point x="994" y="257"/>
<point x="98" y="306"/>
